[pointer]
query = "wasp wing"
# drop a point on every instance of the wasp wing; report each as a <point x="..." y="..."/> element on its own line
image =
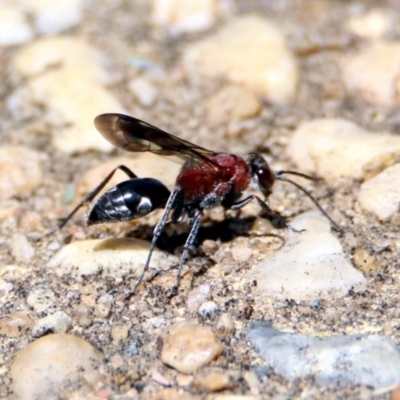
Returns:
<point x="132" y="134"/>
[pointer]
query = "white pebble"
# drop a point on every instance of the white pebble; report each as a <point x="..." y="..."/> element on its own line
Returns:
<point x="311" y="265"/>
<point x="372" y="73"/>
<point x="66" y="76"/>
<point x="49" y="364"/>
<point x="14" y="28"/>
<point x="381" y="194"/>
<point x="21" y="170"/>
<point x="371" y="25"/>
<point x="41" y="298"/>
<point x="336" y="148"/>
<point x="21" y="249"/>
<point x="250" y="51"/>
<point x="179" y="16"/>
<point x="208" y="309"/>
<point x="114" y="258"/>
<point x="59" y="322"/>
<point x="198" y="296"/>
<point x="52" y="17"/>
<point x="144" y="91"/>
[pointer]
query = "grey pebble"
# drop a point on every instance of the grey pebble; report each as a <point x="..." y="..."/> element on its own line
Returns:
<point x="59" y="322"/>
<point x="370" y="360"/>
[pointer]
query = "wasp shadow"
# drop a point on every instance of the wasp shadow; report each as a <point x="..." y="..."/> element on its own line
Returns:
<point x="224" y="231"/>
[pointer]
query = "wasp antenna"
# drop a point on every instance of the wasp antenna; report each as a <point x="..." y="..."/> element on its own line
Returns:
<point x="308" y="194"/>
<point x="306" y="176"/>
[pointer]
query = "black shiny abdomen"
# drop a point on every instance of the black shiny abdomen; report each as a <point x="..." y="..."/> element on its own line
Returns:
<point x="128" y="200"/>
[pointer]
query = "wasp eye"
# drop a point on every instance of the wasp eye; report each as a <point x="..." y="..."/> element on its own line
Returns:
<point x="265" y="178"/>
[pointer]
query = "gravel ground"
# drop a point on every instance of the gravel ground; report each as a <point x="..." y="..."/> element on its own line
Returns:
<point x="150" y="347"/>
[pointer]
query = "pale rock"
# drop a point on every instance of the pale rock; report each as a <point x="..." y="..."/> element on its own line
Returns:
<point x="52" y="17"/>
<point x="144" y="91"/>
<point x="112" y="258"/>
<point x="120" y="332"/>
<point x="41" y="298"/>
<point x="198" y="296"/>
<point x="62" y="52"/>
<point x="179" y="16"/>
<point x="380" y="195"/>
<point x="66" y="76"/>
<point x="241" y="253"/>
<point x="13" y="273"/>
<point x="212" y="380"/>
<point x="187" y="348"/>
<point x="52" y="363"/>
<point x="59" y="322"/>
<point x="311" y="265"/>
<point x="336" y="148"/>
<point x="104" y="305"/>
<point x="232" y="102"/>
<point x="15" y="324"/>
<point x="373" y="73"/>
<point x="251" y="52"/>
<point x="21" y="170"/>
<point x="224" y="325"/>
<point x="335" y="361"/>
<point x="14" y="28"/>
<point x="371" y="25"/>
<point x="160" y="379"/>
<point x="208" y="309"/>
<point x="364" y="260"/>
<point x="21" y="249"/>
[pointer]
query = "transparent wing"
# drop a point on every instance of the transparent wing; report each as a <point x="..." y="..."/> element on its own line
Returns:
<point x="131" y="134"/>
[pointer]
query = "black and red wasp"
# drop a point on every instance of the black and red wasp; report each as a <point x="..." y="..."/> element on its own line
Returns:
<point x="207" y="179"/>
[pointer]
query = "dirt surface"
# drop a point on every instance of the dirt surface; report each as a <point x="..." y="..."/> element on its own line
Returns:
<point x="317" y="36"/>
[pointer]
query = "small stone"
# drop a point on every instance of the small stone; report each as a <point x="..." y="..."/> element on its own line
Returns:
<point x="330" y="360"/>
<point x="120" y="332"/>
<point x="59" y="322"/>
<point x="52" y="17"/>
<point x="225" y="325"/>
<point x="189" y="347"/>
<point x="114" y="258"/>
<point x="311" y="264"/>
<point x="252" y="381"/>
<point x="104" y="305"/>
<point x="336" y="148"/>
<point x="179" y="16"/>
<point x="21" y="249"/>
<point x="56" y="69"/>
<point x="332" y="315"/>
<point x="160" y="379"/>
<point x="197" y="296"/>
<point x="248" y="51"/>
<point x="364" y="260"/>
<point x="13" y="273"/>
<point x="372" y="25"/>
<point x="241" y="253"/>
<point x="14" y="28"/>
<point x="215" y="380"/>
<point x="21" y="171"/>
<point x="41" y="298"/>
<point x="208" y="309"/>
<point x="380" y="195"/>
<point x="14" y="325"/>
<point x="144" y="91"/>
<point x="373" y="73"/>
<point x="232" y="102"/>
<point x="52" y="363"/>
